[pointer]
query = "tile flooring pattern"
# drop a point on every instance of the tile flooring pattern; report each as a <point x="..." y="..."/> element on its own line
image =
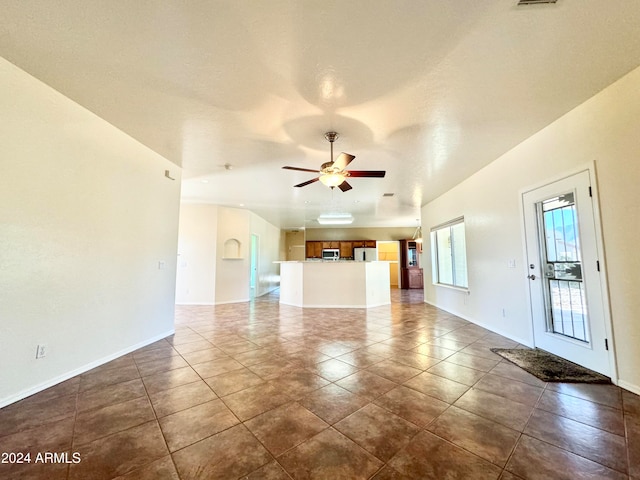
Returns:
<point x="263" y="391"/>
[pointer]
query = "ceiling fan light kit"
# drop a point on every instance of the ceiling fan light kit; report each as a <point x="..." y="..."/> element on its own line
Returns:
<point x="332" y="179"/>
<point x="333" y="173"/>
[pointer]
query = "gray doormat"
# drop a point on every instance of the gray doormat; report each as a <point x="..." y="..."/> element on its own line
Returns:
<point x="549" y="367"/>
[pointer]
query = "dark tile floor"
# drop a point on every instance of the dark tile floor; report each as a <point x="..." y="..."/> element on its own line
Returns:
<point x="263" y="391"/>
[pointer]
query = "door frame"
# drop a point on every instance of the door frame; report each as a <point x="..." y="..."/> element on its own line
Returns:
<point x="590" y="168"/>
<point x="254" y="264"/>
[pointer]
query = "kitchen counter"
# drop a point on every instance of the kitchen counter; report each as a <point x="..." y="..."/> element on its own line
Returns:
<point x="335" y="284"/>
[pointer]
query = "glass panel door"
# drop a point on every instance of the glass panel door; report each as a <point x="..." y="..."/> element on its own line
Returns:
<point x="566" y="293"/>
<point x="564" y="290"/>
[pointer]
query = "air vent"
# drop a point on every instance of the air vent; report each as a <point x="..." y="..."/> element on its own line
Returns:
<point x="388" y="194"/>
<point x="533" y="2"/>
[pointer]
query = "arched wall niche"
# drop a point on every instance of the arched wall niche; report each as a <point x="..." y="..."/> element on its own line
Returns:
<point x="232" y="249"/>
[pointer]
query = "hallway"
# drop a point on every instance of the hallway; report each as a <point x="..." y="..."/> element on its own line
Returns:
<point x="267" y="391"/>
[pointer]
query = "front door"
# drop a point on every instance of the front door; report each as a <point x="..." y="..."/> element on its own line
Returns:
<point x="564" y="277"/>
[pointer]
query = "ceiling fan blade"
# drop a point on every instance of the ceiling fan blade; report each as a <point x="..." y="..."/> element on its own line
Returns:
<point x="307" y="182"/>
<point x="344" y="186"/>
<point x="342" y="161"/>
<point x="301" y="169"/>
<point x="367" y="173"/>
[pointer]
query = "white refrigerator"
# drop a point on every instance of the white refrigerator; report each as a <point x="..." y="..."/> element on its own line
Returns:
<point x="365" y="254"/>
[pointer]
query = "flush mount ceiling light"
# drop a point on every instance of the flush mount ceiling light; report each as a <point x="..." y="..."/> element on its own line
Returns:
<point x="335" y="219"/>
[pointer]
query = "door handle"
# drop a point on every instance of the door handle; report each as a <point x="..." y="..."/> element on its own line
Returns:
<point x="531" y="277"/>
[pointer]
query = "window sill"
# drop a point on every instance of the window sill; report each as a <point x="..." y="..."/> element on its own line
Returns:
<point x="453" y="287"/>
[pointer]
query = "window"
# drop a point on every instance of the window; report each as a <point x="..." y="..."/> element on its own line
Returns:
<point x="448" y="249"/>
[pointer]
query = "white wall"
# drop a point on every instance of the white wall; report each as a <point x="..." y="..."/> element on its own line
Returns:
<point x="197" y="248"/>
<point x="605" y="130"/>
<point x="86" y="215"/>
<point x="205" y="274"/>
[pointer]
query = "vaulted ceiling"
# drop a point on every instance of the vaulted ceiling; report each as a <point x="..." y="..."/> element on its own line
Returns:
<point x="430" y="91"/>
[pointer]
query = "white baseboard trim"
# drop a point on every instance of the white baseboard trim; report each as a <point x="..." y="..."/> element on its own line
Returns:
<point x="483" y="325"/>
<point x="629" y="386"/>
<point x="209" y="304"/>
<point x="196" y="304"/>
<point x="337" y="306"/>
<point x="290" y="304"/>
<point x="268" y="291"/>
<point x="620" y="383"/>
<point x="77" y="371"/>
<point x="241" y="300"/>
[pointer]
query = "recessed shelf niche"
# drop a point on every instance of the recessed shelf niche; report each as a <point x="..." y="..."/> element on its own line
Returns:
<point x="232" y="249"/>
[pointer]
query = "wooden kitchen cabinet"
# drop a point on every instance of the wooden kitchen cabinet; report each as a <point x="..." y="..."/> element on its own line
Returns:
<point x="411" y="275"/>
<point x="346" y="249"/>
<point x="314" y="249"/>
<point x="412" y="278"/>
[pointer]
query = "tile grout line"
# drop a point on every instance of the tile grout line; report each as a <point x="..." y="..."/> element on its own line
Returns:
<point x="155" y="414"/>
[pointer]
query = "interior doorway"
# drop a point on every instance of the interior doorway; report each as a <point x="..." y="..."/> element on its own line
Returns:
<point x="389" y="251"/>
<point x="254" y="261"/>
<point x="566" y="291"/>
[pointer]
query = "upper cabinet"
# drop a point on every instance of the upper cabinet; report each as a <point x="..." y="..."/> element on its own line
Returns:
<point x="346" y="249"/>
<point x="314" y="247"/>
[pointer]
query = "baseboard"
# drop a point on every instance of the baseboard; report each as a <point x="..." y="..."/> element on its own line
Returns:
<point x="290" y="304"/>
<point x="210" y="304"/>
<point x="196" y="304"/>
<point x="268" y="291"/>
<point x="483" y="325"/>
<point x="338" y="306"/>
<point x="85" y="368"/>
<point x="241" y="300"/>
<point x="629" y="386"/>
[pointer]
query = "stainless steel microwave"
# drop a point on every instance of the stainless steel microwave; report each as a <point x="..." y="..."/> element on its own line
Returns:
<point x="330" y="253"/>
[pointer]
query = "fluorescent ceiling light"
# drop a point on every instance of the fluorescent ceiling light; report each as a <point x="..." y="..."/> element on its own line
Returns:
<point x="335" y="219"/>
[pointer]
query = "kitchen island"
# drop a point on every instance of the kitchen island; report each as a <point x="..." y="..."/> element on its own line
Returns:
<point x="335" y="284"/>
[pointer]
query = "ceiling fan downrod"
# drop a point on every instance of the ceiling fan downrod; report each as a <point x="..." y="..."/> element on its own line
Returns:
<point x="331" y="137"/>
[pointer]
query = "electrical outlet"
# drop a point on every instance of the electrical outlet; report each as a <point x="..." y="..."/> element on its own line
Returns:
<point x="161" y="265"/>
<point x="41" y="351"/>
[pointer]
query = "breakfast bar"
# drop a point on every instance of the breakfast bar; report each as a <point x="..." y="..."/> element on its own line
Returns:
<point x="335" y="284"/>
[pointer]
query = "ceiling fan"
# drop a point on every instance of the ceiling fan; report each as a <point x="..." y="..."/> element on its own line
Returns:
<point x="333" y="173"/>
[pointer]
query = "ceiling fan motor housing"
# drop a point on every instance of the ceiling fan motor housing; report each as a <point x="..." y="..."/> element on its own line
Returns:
<point x="331" y="136"/>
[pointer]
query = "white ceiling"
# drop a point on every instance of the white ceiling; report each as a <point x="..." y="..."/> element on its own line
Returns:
<point x="428" y="90"/>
